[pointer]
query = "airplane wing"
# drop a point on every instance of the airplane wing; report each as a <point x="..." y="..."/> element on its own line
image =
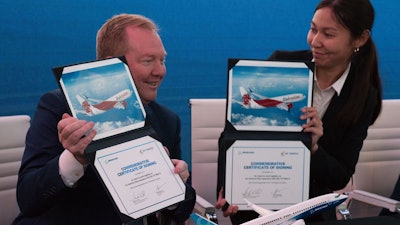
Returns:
<point x="282" y="106"/>
<point x="82" y="112"/>
<point x="258" y="95"/>
<point x="258" y="209"/>
<point x="239" y="102"/>
<point x="93" y="99"/>
<point x="120" y="105"/>
<point x="299" y="222"/>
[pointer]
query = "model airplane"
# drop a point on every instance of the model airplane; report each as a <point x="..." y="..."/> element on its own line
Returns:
<point x="116" y="101"/>
<point x="292" y="215"/>
<point x="283" y="102"/>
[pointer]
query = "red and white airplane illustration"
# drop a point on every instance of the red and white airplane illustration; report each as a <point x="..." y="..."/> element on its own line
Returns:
<point x="116" y="101"/>
<point x="283" y="102"/>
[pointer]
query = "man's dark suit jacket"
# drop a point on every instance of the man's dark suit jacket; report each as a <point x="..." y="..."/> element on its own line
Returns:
<point x="42" y="196"/>
<point x="334" y="163"/>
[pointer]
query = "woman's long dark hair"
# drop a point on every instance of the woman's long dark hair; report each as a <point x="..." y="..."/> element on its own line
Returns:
<point x="358" y="16"/>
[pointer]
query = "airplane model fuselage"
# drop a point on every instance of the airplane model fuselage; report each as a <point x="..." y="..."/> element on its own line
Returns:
<point x="116" y="101"/>
<point x="283" y="102"/>
<point x="300" y="210"/>
<point x="291" y="215"/>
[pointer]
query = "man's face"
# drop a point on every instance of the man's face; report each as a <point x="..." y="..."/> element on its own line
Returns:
<point x="146" y="60"/>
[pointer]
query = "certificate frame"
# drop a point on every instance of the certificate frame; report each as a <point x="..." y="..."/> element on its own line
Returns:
<point x="267" y="95"/>
<point x="123" y="137"/>
<point x="269" y="173"/>
<point x="122" y="142"/>
<point x="139" y="176"/>
<point x="102" y="91"/>
<point x="258" y="125"/>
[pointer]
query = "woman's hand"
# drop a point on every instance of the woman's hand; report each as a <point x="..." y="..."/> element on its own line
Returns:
<point x="226" y="208"/>
<point x="314" y="126"/>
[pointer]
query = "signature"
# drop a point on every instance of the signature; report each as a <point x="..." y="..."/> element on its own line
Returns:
<point x="277" y="193"/>
<point x="252" y="193"/>
<point x="138" y="197"/>
<point x="140" y="194"/>
<point x="159" y="189"/>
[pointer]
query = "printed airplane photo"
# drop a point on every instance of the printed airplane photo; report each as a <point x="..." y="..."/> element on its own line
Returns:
<point x="103" y="92"/>
<point x="268" y="95"/>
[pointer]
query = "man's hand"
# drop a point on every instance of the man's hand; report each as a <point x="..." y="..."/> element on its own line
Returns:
<point x="75" y="135"/>
<point x="181" y="168"/>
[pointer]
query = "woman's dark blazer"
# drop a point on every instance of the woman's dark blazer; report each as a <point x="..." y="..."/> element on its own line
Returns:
<point x="338" y="149"/>
<point x="334" y="163"/>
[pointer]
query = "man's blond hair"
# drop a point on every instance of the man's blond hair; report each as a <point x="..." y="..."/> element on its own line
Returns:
<point x="111" y="38"/>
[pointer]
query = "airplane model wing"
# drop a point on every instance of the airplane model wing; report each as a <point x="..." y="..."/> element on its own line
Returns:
<point x="297" y="222"/>
<point x="258" y="209"/>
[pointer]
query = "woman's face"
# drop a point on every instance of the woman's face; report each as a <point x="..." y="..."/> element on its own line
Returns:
<point x="330" y="42"/>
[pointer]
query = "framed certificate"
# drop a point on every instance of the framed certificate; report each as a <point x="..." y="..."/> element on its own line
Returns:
<point x="265" y="152"/>
<point x="139" y="176"/>
<point x="267" y="95"/>
<point x="104" y="92"/>
<point x="126" y="155"/>
<point x="271" y="174"/>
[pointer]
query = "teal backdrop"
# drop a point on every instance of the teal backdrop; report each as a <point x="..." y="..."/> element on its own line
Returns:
<point x="199" y="36"/>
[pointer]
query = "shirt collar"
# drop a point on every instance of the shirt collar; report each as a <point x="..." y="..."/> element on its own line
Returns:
<point x="338" y="85"/>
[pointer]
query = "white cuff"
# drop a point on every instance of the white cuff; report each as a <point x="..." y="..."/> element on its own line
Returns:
<point x="71" y="170"/>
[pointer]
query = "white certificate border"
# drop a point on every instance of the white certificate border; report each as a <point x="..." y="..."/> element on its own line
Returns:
<point x="265" y="63"/>
<point x="102" y="63"/>
<point x="131" y="145"/>
<point x="266" y="144"/>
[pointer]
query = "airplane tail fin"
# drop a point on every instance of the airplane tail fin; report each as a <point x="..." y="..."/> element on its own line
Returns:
<point x="245" y="97"/>
<point x="200" y="220"/>
<point x="85" y="105"/>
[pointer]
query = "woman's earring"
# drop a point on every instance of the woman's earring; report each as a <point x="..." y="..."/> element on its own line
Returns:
<point x="356" y="50"/>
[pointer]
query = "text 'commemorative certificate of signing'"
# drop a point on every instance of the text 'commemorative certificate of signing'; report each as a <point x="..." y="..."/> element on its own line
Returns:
<point x="143" y="185"/>
<point x="266" y="173"/>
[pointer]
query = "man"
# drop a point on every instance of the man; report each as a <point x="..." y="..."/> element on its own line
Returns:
<point x="55" y="185"/>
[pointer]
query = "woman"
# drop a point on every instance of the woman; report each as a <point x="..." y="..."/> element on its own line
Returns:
<point x="347" y="94"/>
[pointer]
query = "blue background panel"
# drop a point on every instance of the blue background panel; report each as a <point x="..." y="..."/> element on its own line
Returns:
<point x="199" y="37"/>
